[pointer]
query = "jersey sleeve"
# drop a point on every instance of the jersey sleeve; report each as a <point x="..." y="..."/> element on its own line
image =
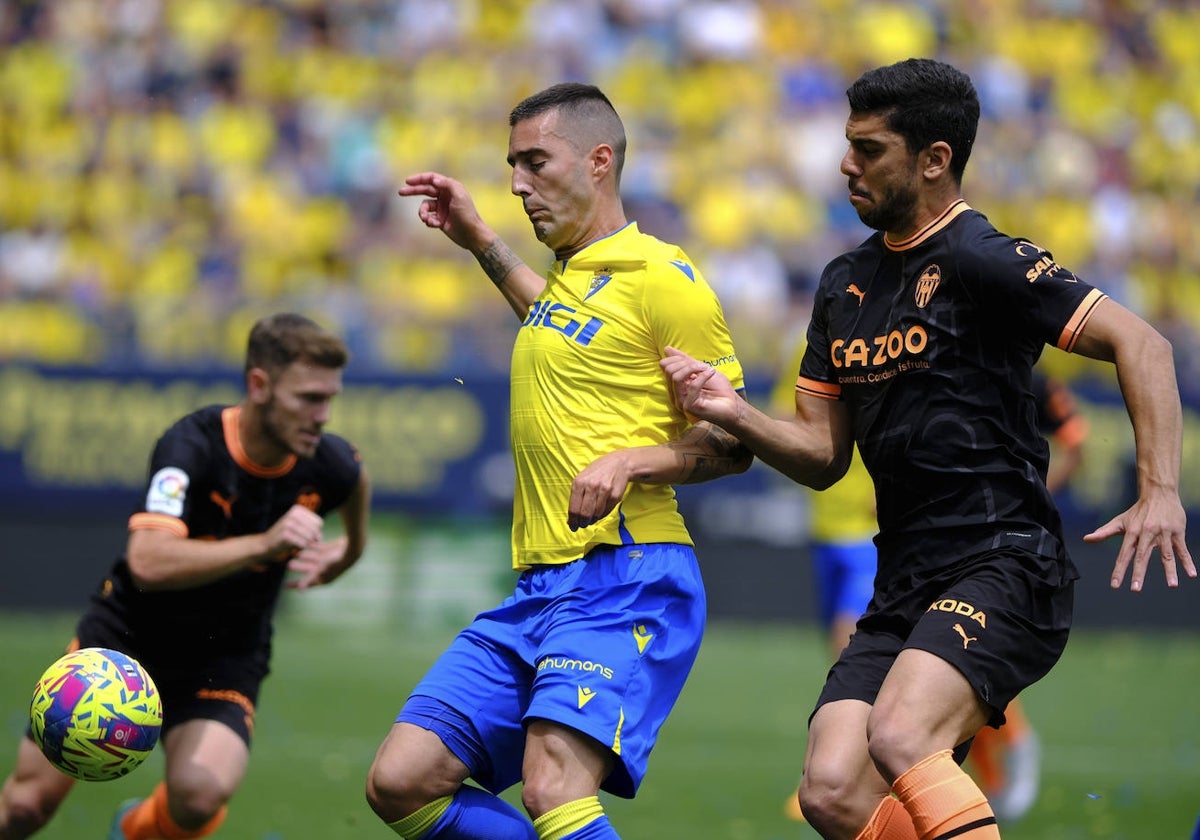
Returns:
<point x="683" y="312"/>
<point x="177" y="466"/>
<point x="341" y="465"/>
<point x="1021" y="282"/>
<point x="816" y="376"/>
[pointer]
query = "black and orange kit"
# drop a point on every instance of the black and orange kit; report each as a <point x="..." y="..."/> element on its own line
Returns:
<point x="931" y="343"/>
<point x="208" y="648"/>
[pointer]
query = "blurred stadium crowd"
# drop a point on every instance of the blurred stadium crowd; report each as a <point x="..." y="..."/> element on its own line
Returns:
<point x="171" y="169"/>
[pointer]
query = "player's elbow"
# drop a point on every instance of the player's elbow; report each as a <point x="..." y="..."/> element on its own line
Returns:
<point x="825" y="474"/>
<point x="740" y="459"/>
<point x="144" y="556"/>
<point x="820" y="482"/>
<point x="145" y="575"/>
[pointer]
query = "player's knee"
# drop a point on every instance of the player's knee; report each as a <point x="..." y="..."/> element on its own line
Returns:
<point x="825" y="800"/>
<point x="25" y="809"/>
<point x="197" y="809"/>
<point x="397" y="786"/>
<point x="895" y="745"/>
<point x="541" y="793"/>
<point x="194" y="802"/>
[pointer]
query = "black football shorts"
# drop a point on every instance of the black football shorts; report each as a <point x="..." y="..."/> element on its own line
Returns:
<point x="1001" y="618"/>
<point x="194" y="682"/>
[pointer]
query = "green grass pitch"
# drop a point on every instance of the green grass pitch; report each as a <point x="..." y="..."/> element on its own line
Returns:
<point x="1117" y="720"/>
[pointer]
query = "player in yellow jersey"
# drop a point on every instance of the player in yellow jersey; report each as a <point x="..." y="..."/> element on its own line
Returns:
<point x="564" y="686"/>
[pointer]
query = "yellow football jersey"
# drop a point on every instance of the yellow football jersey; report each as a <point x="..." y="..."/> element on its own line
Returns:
<point x="586" y="381"/>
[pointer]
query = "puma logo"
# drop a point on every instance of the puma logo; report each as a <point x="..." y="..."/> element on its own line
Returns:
<point x="958" y="628"/>
<point x="857" y="292"/>
<point x="224" y="504"/>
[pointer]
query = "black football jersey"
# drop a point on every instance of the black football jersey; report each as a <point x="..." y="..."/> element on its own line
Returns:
<point x="202" y="485"/>
<point x="931" y="343"/>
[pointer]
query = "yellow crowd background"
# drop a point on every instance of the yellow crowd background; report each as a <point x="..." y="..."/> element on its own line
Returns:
<point x="171" y="170"/>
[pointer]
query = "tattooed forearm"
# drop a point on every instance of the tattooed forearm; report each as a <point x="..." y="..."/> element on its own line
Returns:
<point x="707" y="452"/>
<point x="498" y="261"/>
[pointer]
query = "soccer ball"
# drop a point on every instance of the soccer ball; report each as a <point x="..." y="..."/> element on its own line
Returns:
<point x="96" y="714"/>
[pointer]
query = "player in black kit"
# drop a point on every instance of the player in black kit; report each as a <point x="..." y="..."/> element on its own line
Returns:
<point x="920" y="350"/>
<point x="235" y="503"/>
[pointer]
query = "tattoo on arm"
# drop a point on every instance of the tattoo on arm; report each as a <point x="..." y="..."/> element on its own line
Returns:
<point x="707" y="452"/>
<point x="498" y="261"/>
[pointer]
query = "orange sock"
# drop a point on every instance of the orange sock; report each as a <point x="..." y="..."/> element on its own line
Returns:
<point x="985" y="758"/>
<point x="1016" y="724"/>
<point x="151" y="820"/>
<point x="987" y="752"/>
<point x="944" y="802"/>
<point x="889" y="822"/>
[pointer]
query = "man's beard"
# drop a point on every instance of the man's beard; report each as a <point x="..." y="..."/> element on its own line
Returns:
<point x="892" y="212"/>
<point x="272" y="429"/>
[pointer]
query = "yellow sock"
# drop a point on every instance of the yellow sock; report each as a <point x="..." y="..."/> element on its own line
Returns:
<point x="943" y="801"/>
<point x="420" y="820"/>
<point x="561" y="821"/>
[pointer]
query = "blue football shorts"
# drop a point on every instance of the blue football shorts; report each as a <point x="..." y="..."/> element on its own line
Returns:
<point x="845" y="579"/>
<point x="602" y="645"/>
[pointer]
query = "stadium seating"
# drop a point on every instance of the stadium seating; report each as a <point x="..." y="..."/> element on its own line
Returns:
<point x="165" y="167"/>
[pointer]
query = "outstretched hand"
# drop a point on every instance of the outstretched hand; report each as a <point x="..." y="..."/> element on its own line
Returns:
<point x="701" y="391"/>
<point x="1154" y="521"/>
<point x="448" y="206"/>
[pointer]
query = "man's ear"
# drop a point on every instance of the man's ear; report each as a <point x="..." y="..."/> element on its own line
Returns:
<point x="936" y="160"/>
<point x="602" y="158"/>
<point x="258" y="386"/>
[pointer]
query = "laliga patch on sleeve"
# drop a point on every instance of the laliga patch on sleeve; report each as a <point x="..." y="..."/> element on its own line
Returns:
<point x="168" y="489"/>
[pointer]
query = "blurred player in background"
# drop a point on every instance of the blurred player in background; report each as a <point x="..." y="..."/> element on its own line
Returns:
<point x="1062" y="424"/>
<point x="564" y="686"/>
<point x="236" y="501"/>
<point x="920" y="349"/>
<point x="1007" y="761"/>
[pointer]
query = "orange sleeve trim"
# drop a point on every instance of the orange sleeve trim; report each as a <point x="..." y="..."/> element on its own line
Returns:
<point x="824" y="390"/>
<point x="158" y="522"/>
<point x="1074" y="327"/>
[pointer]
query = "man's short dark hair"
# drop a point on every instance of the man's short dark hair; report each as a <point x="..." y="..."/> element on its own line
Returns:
<point x="589" y="116"/>
<point x="923" y="101"/>
<point x="277" y="341"/>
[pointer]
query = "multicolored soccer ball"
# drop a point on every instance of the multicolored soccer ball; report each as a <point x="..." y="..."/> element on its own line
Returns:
<point x="96" y="714"/>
